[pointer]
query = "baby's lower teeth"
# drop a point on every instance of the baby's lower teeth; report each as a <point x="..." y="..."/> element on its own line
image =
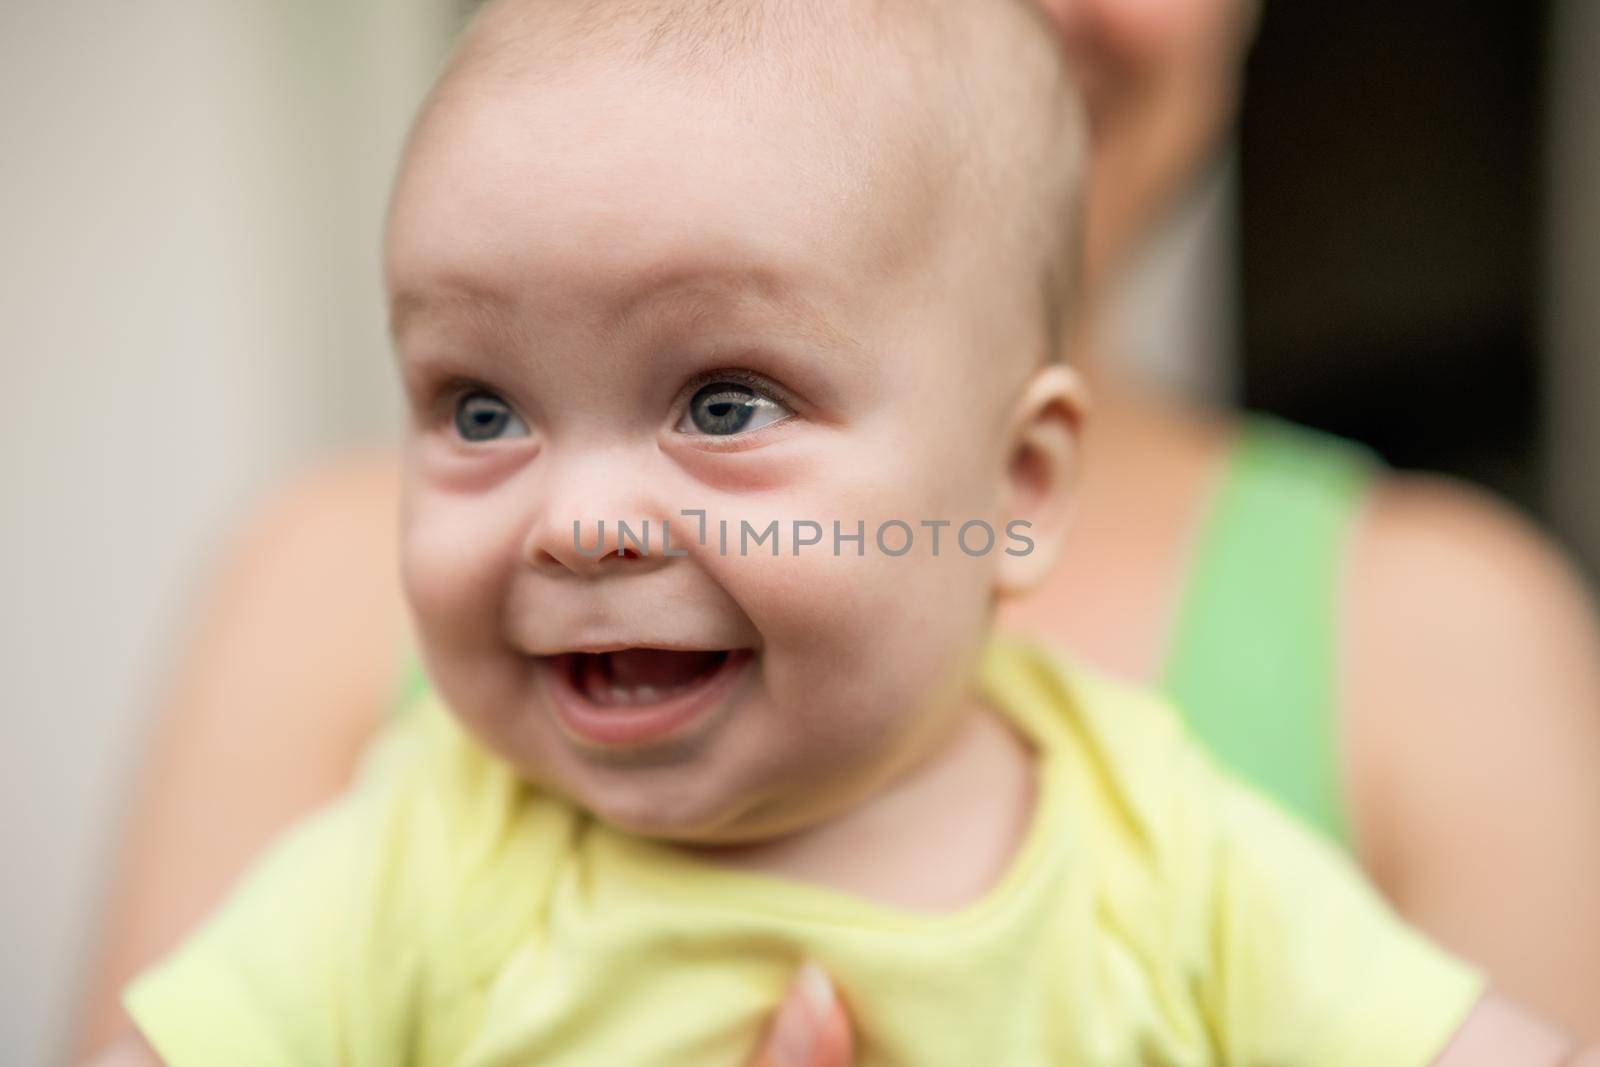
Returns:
<point x="640" y="694"/>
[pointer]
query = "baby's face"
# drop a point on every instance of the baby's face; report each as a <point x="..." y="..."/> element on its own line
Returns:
<point x="619" y="298"/>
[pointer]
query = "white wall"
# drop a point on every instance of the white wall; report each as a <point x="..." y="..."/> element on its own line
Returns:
<point x="190" y="195"/>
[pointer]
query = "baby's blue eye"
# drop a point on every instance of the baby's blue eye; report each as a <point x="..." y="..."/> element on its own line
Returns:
<point x="483" y="416"/>
<point x="726" y="408"/>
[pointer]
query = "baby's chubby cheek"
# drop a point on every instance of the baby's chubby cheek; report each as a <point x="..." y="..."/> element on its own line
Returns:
<point x="859" y="642"/>
<point x="454" y="573"/>
<point x="447" y="567"/>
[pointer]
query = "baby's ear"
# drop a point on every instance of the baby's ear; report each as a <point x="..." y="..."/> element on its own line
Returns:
<point x="1041" y="477"/>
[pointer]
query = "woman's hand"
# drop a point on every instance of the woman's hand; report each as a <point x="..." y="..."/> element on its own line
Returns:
<point x="810" y="1028"/>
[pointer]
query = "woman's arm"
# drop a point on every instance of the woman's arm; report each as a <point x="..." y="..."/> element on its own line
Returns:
<point x="287" y="663"/>
<point x="1471" y="717"/>
<point x="131" y="1051"/>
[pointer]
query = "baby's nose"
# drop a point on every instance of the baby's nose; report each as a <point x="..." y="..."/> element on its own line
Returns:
<point x="595" y="546"/>
<point x="596" y="517"/>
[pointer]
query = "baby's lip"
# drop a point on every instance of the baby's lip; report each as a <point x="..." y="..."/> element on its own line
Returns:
<point x="597" y="647"/>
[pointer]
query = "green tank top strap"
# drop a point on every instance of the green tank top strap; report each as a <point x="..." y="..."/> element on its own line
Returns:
<point x="1253" y="662"/>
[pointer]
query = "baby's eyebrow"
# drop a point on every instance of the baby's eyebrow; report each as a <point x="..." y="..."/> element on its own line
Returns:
<point x="676" y="297"/>
<point x="482" y="306"/>
<point x="689" y="294"/>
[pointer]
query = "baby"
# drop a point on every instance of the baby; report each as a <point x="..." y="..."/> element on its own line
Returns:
<point x="729" y="332"/>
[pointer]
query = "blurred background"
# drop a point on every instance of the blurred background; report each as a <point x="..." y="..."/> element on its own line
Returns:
<point x="1402" y="246"/>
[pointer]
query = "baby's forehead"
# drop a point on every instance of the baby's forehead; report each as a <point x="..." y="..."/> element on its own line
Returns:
<point x="592" y="141"/>
<point x="950" y="77"/>
<point x="723" y="39"/>
<point x="868" y="82"/>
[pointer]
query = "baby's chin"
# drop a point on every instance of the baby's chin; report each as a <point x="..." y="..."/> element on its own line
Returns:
<point x="720" y="805"/>
<point x="717" y="801"/>
<point x="673" y="814"/>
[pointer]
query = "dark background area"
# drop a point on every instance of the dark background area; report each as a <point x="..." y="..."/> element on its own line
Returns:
<point x="1390" y="172"/>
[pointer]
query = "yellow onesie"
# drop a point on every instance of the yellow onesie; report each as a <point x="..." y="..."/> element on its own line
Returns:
<point x="1157" y="913"/>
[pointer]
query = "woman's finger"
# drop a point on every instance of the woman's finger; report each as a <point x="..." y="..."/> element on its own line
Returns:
<point x="811" y="1028"/>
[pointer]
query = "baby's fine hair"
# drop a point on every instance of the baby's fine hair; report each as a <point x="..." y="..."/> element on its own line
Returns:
<point x="988" y="98"/>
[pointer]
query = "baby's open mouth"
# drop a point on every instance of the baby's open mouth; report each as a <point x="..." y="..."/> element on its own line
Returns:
<point x="634" y="697"/>
<point x="632" y="676"/>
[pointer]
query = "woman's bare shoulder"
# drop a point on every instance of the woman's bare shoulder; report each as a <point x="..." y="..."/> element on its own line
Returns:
<point x="1470" y="711"/>
<point x="1463" y="622"/>
<point x="334" y="504"/>
<point x="310" y="574"/>
<point x="1446" y="580"/>
<point x="328" y="535"/>
<point x="289" y="653"/>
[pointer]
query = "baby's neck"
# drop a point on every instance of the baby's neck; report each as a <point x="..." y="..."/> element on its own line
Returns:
<point x="938" y="839"/>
